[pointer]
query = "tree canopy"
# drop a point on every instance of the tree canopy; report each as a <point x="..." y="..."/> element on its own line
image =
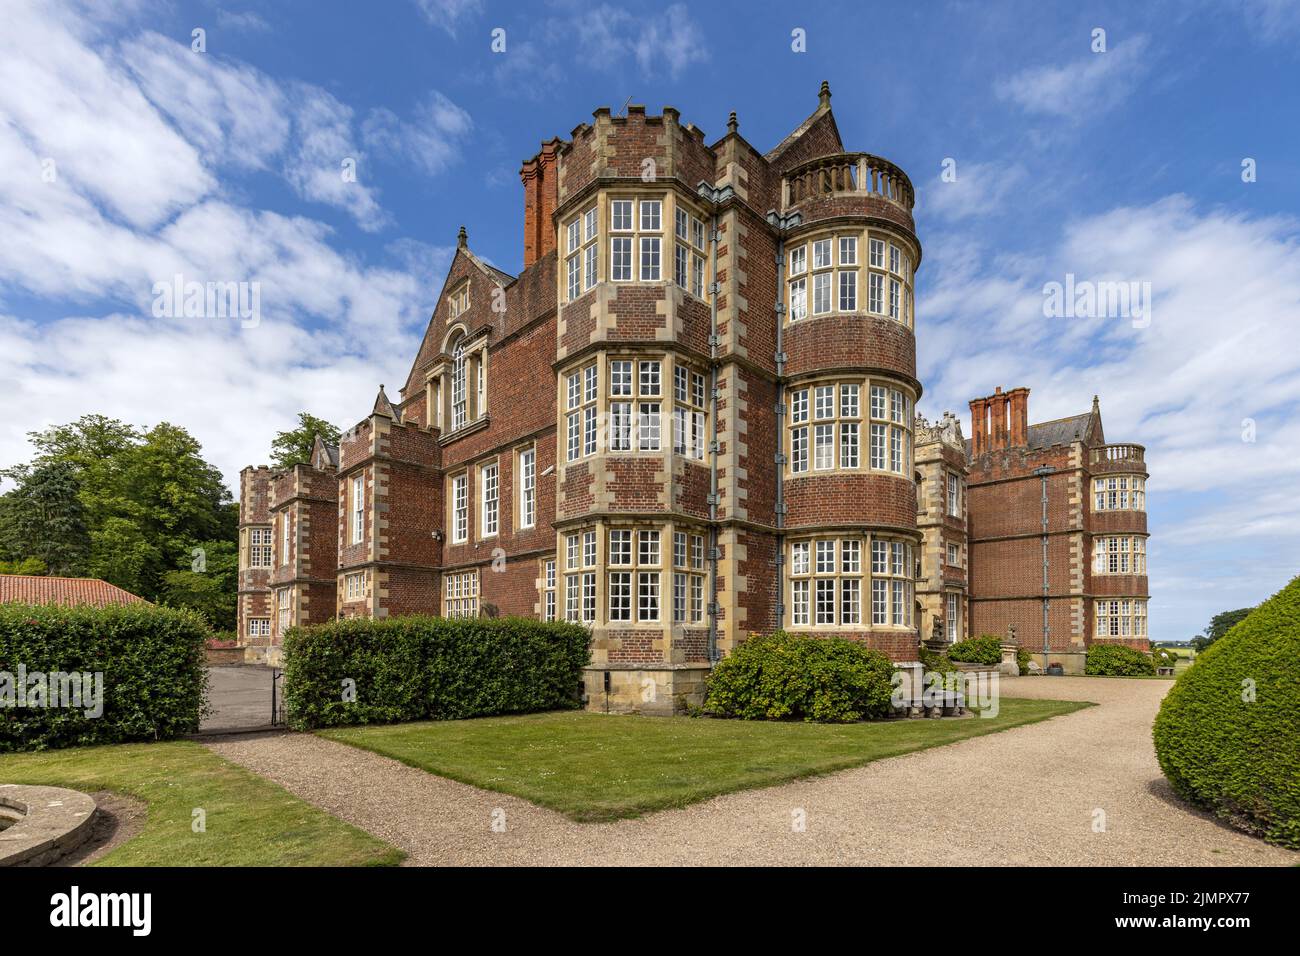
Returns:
<point x="294" y="446"/>
<point x="108" y="500"/>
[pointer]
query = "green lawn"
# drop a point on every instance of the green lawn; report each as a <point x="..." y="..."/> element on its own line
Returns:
<point x="596" y="767"/>
<point x="250" y="821"/>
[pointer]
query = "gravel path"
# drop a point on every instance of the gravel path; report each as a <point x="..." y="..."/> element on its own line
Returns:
<point x="1023" y="796"/>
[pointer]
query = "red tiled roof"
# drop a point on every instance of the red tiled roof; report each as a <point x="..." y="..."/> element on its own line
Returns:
<point x="34" y="589"/>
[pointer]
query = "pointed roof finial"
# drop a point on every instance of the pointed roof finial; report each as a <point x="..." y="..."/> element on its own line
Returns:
<point x="384" y="407"/>
<point x="1096" y="405"/>
<point x="824" y="94"/>
<point x="462" y="240"/>
<point x="732" y="124"/>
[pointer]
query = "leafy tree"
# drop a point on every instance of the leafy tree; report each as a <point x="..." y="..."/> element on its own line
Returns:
<point x="43" y="518"/>
<point x="294" y="446"/>
<point x="209" y="585"/>
<point x="147" y="498"/>
<point x="1220" y="624"/>
<point x="25" y="566"/>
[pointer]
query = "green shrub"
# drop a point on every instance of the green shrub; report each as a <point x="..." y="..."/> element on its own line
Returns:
<point x="1023" y="657"/>
<point x="150" y="658"/>
<point x="786" y="676"/>
<point x="430" y="668"/>
<point x="1226" y="735"/>
<point x="1116" y="660"/>
<point x="933" y="661"/>
<point x="985" y="649"/>
<point x="1162" y="658"/>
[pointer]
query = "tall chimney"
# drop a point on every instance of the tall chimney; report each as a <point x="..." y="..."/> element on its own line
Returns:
<point x="998" y="413"/>
<point x="1019" y="398"/>
<point x="979" y="419"/>
<point x="541" y="190"/>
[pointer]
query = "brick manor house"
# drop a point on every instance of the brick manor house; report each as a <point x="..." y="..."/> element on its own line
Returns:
<point x="691" y="417"/>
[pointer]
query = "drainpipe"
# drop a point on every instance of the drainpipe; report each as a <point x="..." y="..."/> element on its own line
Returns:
<point x="714" y="197"/>
<point x="1042" y="473"/>
<point x="781" y="224"/>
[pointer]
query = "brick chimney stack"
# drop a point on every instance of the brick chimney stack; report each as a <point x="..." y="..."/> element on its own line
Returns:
<point x="999" y="421"/>
<point x="1019" y="398"/>
<point x="979" y="423"/>
<point x="541" y="192"/>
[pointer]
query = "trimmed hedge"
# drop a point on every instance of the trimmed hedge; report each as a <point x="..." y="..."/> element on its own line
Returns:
<point x="430" y="668"/>
<point x="1228" y="730"/>
<point x="793" y="677"/>
<point x="150" y="659"/>
<point x="1023" y="657"/>
<point x="1117" y="660"/>
<point x="985" y="649"/>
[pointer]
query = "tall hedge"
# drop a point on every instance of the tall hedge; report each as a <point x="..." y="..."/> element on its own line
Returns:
<point x="796" y="677"/>
<point x="150" y="659"/>
<point x="361" y="671"/>
<point x="1228" y="732"/>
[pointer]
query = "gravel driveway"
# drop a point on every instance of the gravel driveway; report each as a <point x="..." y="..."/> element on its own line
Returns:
<point x="1030" y="795"/>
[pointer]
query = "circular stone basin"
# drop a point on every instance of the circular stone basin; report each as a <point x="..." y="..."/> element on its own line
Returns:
<point x="38" y="825"/>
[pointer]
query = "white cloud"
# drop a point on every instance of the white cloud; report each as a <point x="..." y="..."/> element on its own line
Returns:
<point x="431" y="140"/>
<point x="1082" y="88"/>
<point x="84" y="112"/>
<point x="978" y="190"/>
<point x="247" y="21"/>
<point x="448" y="14"/>
<point x="143" y="202"/>
<point x="661" y="42"/>
<point x="1220" y="347"/>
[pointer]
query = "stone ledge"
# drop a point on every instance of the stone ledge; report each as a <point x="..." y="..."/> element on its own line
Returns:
<point x="53" y="822"/>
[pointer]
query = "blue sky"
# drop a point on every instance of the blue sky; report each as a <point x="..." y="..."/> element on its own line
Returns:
<point x="224" y="165"/>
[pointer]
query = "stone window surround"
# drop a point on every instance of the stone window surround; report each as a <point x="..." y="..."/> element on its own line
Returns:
<point x="1134" y="492"/>
<point x="1136" y="553"/>
<point x="864" y="574"/>
<point x="1130" y="611"/>
<point x="602" y="569"/>
<point x="863" y="420"/>
<point x="438" y="382"/>
<point x="668" y="363"/>
<point x="862" y="267"/>
<point x="672" y="199"/>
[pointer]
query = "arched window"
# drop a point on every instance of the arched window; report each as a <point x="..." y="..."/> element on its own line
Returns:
<point x="458" y="406"/>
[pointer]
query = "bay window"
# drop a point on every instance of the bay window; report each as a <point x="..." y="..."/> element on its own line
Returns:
<point x="830" y="578"/>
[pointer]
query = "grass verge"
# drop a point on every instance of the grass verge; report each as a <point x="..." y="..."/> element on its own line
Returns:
<point x="593" y="767"/>
<point x="249" y="821"/>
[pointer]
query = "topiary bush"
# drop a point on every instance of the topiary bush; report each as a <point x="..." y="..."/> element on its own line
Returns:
<point x="795" y="677"/>
<point x="362" y="671"/>
<point x="143" y="663"/>
<point x="985" y="649"/>
<point x="1116" y="660"/>
<point x="1023" y="657"/>
<point x="1227" y="732"/>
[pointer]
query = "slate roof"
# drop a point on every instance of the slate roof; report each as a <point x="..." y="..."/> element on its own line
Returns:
<point x="36" y="589"/>
<point x="1059" y="432"/>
